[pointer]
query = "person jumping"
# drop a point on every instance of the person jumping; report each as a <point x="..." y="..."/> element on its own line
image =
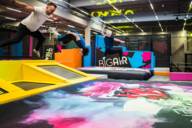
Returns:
<point x="31" y="24"/>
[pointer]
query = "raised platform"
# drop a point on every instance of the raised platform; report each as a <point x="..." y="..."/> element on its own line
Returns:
<point x="162" y="71"/>
<point x="120" y="72"/>
<point x="181" y="76"/>
<point x="21" y="79"/>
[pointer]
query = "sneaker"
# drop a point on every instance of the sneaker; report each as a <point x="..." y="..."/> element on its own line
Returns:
<point x="37" y="53"/>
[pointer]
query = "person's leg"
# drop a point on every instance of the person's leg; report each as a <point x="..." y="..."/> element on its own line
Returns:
<point x="120" y="52"/>
<point x="80" y="45"/>
<point x="116" y="51"/>
<point x="40" y="38"/>
<point x="21" y="33"/>
<point x="107" y="52"/>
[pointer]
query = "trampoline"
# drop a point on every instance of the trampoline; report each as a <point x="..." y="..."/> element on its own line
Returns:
<point x="65" y="73"/>
<point x="104" y="104"/>
<point x="120" y="72"/>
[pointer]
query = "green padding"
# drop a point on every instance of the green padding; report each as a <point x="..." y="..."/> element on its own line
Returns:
<point x="71" y="45"/>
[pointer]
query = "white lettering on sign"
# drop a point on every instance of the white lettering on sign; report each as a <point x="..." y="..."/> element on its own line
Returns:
<point x="110" y="62"/>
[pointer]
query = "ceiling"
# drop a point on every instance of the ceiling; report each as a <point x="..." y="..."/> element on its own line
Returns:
<point x="11" y="15"/>
<point x="171" y="13"/>
<point x="166" y="15"/>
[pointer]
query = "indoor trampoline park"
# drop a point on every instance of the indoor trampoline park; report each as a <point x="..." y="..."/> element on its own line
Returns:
<point x="95" y="63"/>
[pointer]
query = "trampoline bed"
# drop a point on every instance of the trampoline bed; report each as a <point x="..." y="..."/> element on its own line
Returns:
<point x="120" y="72"/>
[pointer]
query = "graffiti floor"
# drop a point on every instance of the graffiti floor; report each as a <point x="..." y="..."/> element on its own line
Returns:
<point x="104" y="104"/>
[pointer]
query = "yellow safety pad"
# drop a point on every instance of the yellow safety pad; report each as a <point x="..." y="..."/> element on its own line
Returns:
<point x="33" y="71"/>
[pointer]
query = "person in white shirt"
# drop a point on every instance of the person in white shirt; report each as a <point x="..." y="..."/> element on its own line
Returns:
<point x="31" y="24"/>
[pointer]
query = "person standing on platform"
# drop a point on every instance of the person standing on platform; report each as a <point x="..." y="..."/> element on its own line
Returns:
<point x="109" y="40"/>
<point x="31" y="24"/>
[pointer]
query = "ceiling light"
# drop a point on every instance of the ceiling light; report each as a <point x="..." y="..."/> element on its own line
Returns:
<point x="162" y="29"/>
<point x="157" y="17"/>
<point x="127" y="18"/>
<point x="162" y="5"/>
<point x="12" y="9"/>
<point x="155" y="14"/>
<point x="151" y="5"/>
<point x="9" y="18"/>
<point x="71" y="26"/>
<point x="185" y="19"/>
<point x="184" y="23"/>
<point x="136" y="26"/>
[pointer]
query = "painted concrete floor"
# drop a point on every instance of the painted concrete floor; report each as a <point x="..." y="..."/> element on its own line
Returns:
<point x="164" y="78"/>
<point x="159" y="78"/>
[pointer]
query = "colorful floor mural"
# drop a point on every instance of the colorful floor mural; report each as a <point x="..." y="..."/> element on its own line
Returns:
<point x="104" y="104"/>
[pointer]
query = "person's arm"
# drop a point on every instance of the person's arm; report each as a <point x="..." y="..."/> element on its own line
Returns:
<point x="54" y="18"/>
<point x="118" y="40"/>
<point x="23" y="5"/>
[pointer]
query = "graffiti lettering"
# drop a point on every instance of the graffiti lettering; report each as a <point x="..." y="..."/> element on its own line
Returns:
<point x="149" y="93"/>
<point x="109" y="62"/>
<point x="123" y="27"/>
<point x="112" y="13"/>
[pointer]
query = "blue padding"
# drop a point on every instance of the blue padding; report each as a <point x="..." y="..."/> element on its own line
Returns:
<point x="100" y="43"/>
<point x="136" y="60"/>
<point x="17" y="49"/>
<point x="153" y="60"/>
<point x="60" y="36"/>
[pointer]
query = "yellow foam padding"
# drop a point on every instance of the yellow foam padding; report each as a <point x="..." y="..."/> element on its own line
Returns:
<point x="162" y="73"/>
<point x="40" y="75"/>
<point x="10" y="71"/>
<point x="28" y="71"/>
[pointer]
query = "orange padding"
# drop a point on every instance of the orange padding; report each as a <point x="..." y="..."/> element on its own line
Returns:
<point x="70" y="57"/>
<point x="162" y="73"/>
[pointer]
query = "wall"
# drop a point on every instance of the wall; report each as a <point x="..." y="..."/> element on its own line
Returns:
<point x="178" y="41"/>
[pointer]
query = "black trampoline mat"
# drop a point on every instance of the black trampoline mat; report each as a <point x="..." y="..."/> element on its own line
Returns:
<point x="30" y="85"/>
<point x="120" y="73"/>
<point x="2" y="91"/>
<point x="61" y="71"/>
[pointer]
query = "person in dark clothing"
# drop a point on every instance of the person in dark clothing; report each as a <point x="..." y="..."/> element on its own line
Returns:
<point x="109" y="42"/>
<point x="71" y="36"/>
